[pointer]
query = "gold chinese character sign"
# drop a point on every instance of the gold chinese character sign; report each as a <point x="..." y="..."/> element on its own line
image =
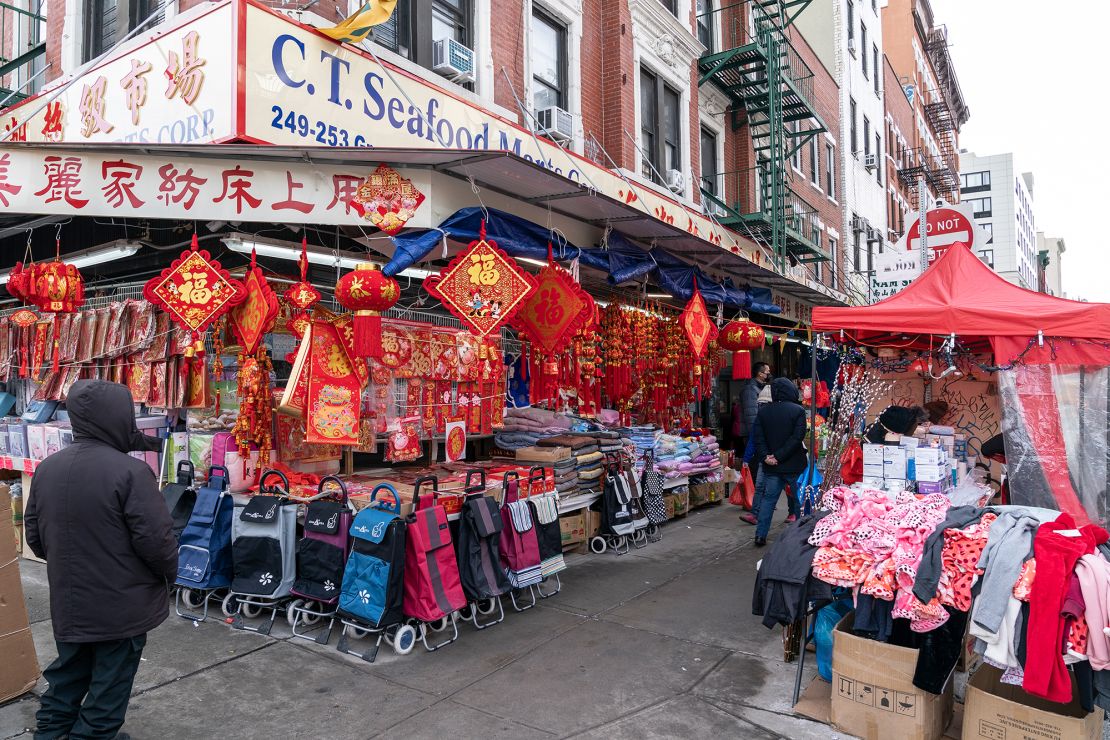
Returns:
<point x="195" y="290"/>
<point x="483" y="286"/>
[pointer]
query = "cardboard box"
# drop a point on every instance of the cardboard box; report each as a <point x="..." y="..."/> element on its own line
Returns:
<point x="873" y="695"/>
<point x="997" y="711"/>
<point x="873" y="454"/>
<point x="20" y="668"/>
<point x="593" y="523"/>
<point x="572" y="528"/>
<point x="929" y="456"/>
<point x="699" y="494"/>
<point x="894" y="462"/>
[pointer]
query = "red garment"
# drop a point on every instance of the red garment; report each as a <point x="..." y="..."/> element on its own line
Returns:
<point x="1045" y="673"/>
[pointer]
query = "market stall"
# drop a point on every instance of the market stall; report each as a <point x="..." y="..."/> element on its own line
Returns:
<point x="894" y="569"/>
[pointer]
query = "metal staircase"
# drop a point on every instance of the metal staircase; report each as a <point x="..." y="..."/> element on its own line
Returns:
<point x="22" y="73"/>
<point x="771" y="90"/>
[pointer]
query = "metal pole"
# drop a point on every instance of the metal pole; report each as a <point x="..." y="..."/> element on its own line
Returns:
<point x="923" y="227"/>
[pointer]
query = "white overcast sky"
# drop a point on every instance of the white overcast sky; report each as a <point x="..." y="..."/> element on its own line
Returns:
<point x="1033" y="75"/>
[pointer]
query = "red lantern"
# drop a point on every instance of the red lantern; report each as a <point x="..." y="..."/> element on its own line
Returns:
<point x="738" y="337"/>
<point x="19" y="282"/>
<point x="367" y="292"/>
<point x="56" y="287"/>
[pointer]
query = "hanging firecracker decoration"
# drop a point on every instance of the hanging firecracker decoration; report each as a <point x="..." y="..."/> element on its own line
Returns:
<point x="699" y="327"/>
<point x="255" y="407"/>
<point x="251" y="319"/>
<point x="483" y="287"/>
<point x="301" y="295"/>
<point x="551" y="315"/>
<point x="387" y="200"/>
<point x="367" y="291"/>
<point x="740" y="337"/>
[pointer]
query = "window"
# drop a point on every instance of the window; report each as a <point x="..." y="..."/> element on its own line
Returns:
<point x="989" y="228"/>
<point x="792" y="141"/>
<point x="660" y="127"/>
<point x="982" y="207"/>
<point x="975" y="182"/>
<point x="830" y="171"/>
<point x="671" y="5"/>
<point x="875" y="66"/>
<point x="549" y="61"/>
<point x="866" y="136"/>
<point x="851" y="23"/>
<point x="987" y="255"/>
<point x="863" y="47"/>
<point x="27" y="33"/>
<point x="832" y="271"/>
<point x="857" y="251"/>
<point x="879" y="158"/>
<point x="416" y="24"/>
<point x="852" y="124"/>
<point x="814" y="163"/>
<point x="705" y="23"/>
<point x="709" y="161"/>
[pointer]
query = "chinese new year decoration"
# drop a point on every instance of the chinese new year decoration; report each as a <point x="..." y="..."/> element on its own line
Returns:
<point x="54" y="287"/>
<point x="483" y="287"/>
<point x="255" y="406"/>
<point x="740" y="337"/>
<point x="699" y="327"/>
<point x="19" y="282"/>
<point x="387" y="200"/>
<point x="557" y="309"/>
<point x="251" y="319"/>
<point x="302" y="295"/>
<point x="367" y="292"/>
<point x="334" y="387"/>
<point x="195" y="290"/>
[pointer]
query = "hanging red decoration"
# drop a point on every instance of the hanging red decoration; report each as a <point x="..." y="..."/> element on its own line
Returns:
<point x="387" y="200"/>
<point x="483" y="287"/>
<point x="24" y="317"/>
<point x="697" y="324"/>
<point x="195" y="290"/>
<point x="739" y="337"/>
<point x="302" y="295"/>
<point x="367" y="291"/>
<point x="251" y="319"/>
<point x="554" y="312"/>
<point x="19" y="282"/>
<point x="55" y="287"/>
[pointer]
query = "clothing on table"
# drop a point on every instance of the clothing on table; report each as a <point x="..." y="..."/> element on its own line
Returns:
<point x="939" y="652"/>
<point x="1057" y="546"/>
<point x="1093" y="574"/>
<point x="873" y="618"/>
<point x="1074" y="612"/>
<point x="929" y="571"/>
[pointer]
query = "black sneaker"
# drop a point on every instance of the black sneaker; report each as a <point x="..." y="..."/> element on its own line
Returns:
<point x="760" y="541"/>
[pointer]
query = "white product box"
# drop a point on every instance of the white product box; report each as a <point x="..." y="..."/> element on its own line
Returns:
<point x="36" y="442"/>
<point x="873" y="454"/>
<point x="894" y="463"/>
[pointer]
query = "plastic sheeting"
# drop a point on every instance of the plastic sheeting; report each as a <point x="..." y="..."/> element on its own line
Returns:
<point x="1056" y="427"/>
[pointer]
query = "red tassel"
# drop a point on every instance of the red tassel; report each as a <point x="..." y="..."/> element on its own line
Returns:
<point x="524" y="365"/>
<point x="741" y="365"/>
<point x="368" y="334"/>
<point x="57" y="352"/>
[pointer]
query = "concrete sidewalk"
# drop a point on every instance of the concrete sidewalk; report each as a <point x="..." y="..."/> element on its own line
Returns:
<point x="657" y="643"/>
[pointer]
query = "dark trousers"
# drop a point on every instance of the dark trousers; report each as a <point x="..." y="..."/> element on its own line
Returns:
<point x="90" y="686"/>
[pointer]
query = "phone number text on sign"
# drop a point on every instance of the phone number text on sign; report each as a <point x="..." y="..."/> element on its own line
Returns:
<point x="322" y="133"/>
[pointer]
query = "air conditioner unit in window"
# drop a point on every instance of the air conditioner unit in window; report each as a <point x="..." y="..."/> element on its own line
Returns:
<point x="851" y="45"/>
<point x="453" y="60"/>
<point x="892" y="235"/>
<point x="676" y="181"/>
<point x="556" y="123"/>
<point x="859" y="224"/>
<point x="870" y="162"/>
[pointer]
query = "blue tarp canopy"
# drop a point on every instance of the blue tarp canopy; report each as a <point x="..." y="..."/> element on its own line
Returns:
<point x="621" y="260"/>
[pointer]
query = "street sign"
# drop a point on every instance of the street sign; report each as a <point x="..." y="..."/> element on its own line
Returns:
<point x="944" y="227"/>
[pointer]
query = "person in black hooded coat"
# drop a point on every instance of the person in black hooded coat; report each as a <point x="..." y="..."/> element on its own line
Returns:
<point x="96" y="516"/>
<point x="780" y="431"/>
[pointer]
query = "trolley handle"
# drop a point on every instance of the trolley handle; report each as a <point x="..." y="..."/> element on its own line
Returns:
<point x="649" y="460"/>
<point x="537" y="473"/>
<point x="224" y="476"/>
<point x="511" y="476"/>
<point x="185" y="477"/>
<point x="336" y="480"/>
<point x="270" y="473"/>
<point x="374" y="495"/>
<point x="475" y="488"/>
<point x="612" y="463"/>
<point x="416" y="490"/>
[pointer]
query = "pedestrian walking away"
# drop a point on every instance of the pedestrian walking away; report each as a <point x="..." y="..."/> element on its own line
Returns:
<point x="779" y="432"/>
<point x="98" y="520"/>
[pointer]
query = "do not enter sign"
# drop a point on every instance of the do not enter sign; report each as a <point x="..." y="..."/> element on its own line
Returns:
<point x="944" y="227"/>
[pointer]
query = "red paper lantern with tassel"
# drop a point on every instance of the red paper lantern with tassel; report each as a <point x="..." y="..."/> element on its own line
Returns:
<point x="367" y="291"/>
<point x="739" y="337"/>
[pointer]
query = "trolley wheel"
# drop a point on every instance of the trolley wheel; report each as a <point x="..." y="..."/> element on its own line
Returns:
<point x="308" y="617"/>
<point x="653" y="530"/>
<point x="248" y="610"/>
<point x="193" y="598"/>
<point x="620" y="543"/>
<point x="487" y="607"/>
<point x="598" y="545"/>
<point x="466" y="612"/>
<point x="291" y="611"/>
<point x="227" y="606"/>
<point x="404" y="640"/>
<point x="356" y="632"/>
<point x="440" y="624"/>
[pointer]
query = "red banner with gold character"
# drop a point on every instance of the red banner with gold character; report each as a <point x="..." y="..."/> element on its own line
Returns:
<point x="334" y="390"/>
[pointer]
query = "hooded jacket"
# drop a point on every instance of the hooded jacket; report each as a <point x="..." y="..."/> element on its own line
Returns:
<point x="96" y="516"/>
<point x="780" y="430"/>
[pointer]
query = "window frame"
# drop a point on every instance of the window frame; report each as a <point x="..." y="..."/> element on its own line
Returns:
<point x="814" y="163"/>
<point x="658" y="157"/>
<point x="704" y="21"/>
<point x="830" y="170"/>
<point x="879" y="157"/>
<point x="863" y="47"/>
<point x="853" y="115"/>
<point x="417" y="15"/>
<point x="563" y="56"/>
<point x="708" y="135"/>
<point x="875" y="64"/>
<point x="671" y="6"/>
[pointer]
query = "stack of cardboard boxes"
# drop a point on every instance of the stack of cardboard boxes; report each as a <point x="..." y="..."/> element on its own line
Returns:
<point x="19" y="669"/>
<point x="931" y="461"/>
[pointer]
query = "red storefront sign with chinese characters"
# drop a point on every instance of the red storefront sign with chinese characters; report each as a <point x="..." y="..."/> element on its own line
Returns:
<point x="483" y="286"/>
<point x="195" y="290"/>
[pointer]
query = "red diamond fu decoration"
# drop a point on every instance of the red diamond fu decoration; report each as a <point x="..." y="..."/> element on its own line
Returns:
<point x="555" y="311"/>
<point x="255" y="316"/>
<point x="483" y="287"/>
<point x="195" y="290"/>
<point x="699" y="327"/>
<point x="387" y="200"/>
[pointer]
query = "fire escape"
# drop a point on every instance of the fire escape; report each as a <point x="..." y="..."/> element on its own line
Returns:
<point x="24" y="33"/>
<point x="945" y="170"/>
<point x="771" y="90"/>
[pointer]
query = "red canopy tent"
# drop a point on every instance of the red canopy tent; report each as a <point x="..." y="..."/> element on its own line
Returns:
<point x="959" y="295"/>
